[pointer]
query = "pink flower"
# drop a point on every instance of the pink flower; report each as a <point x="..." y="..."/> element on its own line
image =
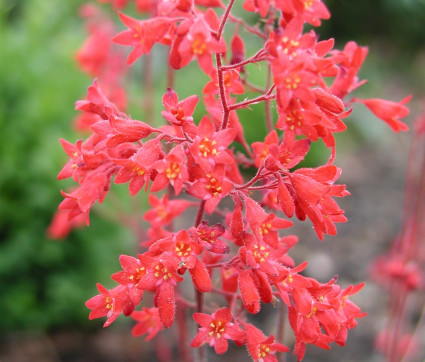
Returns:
<point x="148" y="322"/>
<point x="216" y="329"/>
<point x="260" y="347"/>
<point x="142" y="34"/>
<point x="390" y="112"/>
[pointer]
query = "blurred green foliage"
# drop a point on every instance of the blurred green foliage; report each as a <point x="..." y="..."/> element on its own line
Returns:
<point x="399" y="21"/>
<point x="44" y="284"/>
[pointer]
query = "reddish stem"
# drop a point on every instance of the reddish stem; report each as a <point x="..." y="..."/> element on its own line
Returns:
<point x="396" y="332"/>
<point x="252" y="181"/>
<point x="200" y="213"/>
<point x="198" y="295"/>
<point x="257" y="57"/>
<point x="265" y="97"/>
<point x="252" y="87"/>
<point x="224" y="19"/>
<point x="417" y="212"/>
<point x="249" y="28"/>
<point x="223" y="292"/>
<point x="185" y="302"/>
<point x="223" y="99"/>
<point x="267" y="109"/>
<point x="415" y="332"/>
<point x="219" y="265"/>
<point x="182" y="330"/>
<point x="190" y="140"/>
<point x="281" y="356"/>
<point x="246" y="147"/>
<point x="271" y="185"/>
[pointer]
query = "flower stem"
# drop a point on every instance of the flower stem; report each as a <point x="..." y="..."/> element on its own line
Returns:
<point x="223" y="99"/>
<point x="415" y="332"/>
<point x="198" y="295"/>
<point x="248" y="102"/>
<point x="281" y="330"/>
<point x="183" y="338"/>
<point x="200" y="213"/>
<point x="224" y="19"/>
<point x="202" y="356"/>
<point x="267" y="108"/>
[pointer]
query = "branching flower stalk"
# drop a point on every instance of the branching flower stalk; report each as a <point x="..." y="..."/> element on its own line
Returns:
<point x="243" y="260"/>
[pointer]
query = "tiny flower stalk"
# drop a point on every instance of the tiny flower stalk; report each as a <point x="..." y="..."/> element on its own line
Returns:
<point x="238" y="247"/>
<point x="401" y="270"/>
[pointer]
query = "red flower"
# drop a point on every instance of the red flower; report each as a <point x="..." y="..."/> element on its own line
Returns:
<point x="133" y="271"/>
<point x="390" y="112"/>
<point x="350" y="60"/>
<point x="396" y="268"/>
<point x="260" y="347"/>
<point x="96" y="102"/>
<point x="137" y="169"/>
<point x="148" y="322"/>
<point x="285" y="155"/>
<point x="231" y="80"/>
<point x="208" y="237"/>
<point x="171" y="170"/>
<point x="259" y="255"/>
<point x="142" y="34"/>
<point x="200" y="43"/>
<point x="211" y="187"/>
<point x="216" y="330"/>
<point x="209" y="147"/>
<point x="125" y="130"/>
<point x="264" y="225"/>
<point x="261" y="149"/>
<point x="312" y="11"/>
<point x="182" y="252"/>
<point x="238" y="49"/>
<point x="261" y="6"/>
<point x="60" y="226"/>
<point x="347" y="312"/>
<point x="294" y="80"/>
<point x="163" y="211"/>
<point x="94" y="54"/>
<point x="314" y="191"/>
<point x="322" y="314"/>
<point x="288" y="279"/>
<point x="316" y="117"/>
<point x="179" y="113"/>
<point x="249" y="292"/>
<point x="229" y="281"/>
<point x="108" y="303"/>
<point x="161" y="277"/>
<point x="81" y="200"/>
<point x="290" y="41"/>
<point x="82" y="159"/>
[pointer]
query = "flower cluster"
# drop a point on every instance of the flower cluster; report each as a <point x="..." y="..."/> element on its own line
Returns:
<point x="244" y="258"/>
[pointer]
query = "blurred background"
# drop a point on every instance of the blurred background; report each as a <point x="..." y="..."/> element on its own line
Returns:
<point x="44" y="283"/>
